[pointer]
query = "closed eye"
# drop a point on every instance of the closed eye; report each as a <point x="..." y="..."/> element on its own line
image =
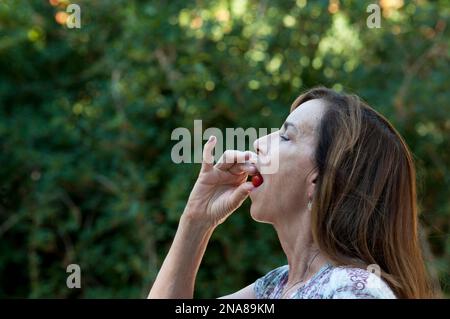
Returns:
<point x="284" y="138"/>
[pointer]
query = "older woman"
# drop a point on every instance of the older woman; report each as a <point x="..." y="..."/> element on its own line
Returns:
<point x="342" y="201"/>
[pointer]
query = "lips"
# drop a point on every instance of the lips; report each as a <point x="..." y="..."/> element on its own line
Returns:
<point x="257" y="179"/>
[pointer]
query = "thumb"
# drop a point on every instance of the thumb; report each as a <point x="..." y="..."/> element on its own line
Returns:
<point x="240" y="194"/>
<point x="208" y="157"/>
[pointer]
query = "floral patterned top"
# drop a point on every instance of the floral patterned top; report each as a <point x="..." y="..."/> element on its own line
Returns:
<point x="329" y="282"/>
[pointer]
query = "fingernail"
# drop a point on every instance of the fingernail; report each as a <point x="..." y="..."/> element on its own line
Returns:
<point x="211" y="138"/>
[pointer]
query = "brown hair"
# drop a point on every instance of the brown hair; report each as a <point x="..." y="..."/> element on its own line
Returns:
<point x="364" y="208"/>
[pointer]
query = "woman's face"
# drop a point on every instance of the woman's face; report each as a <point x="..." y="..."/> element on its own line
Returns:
<point x="286" y="192"/>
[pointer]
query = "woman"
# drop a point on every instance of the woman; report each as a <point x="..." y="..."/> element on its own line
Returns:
<point x="343" y="202"/>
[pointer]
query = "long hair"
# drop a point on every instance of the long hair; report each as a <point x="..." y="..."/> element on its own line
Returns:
<point x="364" y="208"/>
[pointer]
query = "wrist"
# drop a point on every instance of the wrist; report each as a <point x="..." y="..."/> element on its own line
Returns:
<point x="195" y="224"/>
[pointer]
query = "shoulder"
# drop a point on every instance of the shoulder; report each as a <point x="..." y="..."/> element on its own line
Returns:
<point x="267" y="285"/>
<point x="354" y="283"/>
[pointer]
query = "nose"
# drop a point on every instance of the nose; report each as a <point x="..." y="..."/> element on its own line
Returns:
<point x="258" y="145"/>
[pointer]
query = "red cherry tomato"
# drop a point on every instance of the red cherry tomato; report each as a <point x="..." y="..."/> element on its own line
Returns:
<point x="257" y="180"/>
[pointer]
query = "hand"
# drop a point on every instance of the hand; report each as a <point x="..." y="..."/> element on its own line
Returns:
<point x="220" y="189"/>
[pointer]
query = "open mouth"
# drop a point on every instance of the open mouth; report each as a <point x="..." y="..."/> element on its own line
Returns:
<point x="257" y="178"/>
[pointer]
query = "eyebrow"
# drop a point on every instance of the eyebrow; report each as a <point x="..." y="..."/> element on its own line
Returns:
<point x="287" y="124"/>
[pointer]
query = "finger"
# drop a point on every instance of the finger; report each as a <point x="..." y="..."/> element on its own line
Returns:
<point x="208" y="158"/>
<point x="231" y="157"/>
<point x="253" y="157"/>
<point x="240" y="194"/>
<point x="246" y="167"/>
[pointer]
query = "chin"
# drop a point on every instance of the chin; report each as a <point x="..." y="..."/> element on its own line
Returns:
<point x="260" y="215"/>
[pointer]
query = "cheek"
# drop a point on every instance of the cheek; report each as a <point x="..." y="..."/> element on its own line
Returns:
<point x="290" y="182"/>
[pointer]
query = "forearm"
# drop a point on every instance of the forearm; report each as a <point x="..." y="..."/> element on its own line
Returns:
<point x="176" y="278"/>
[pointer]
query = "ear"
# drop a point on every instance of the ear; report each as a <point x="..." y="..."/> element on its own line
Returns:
<point x="311" y="182"/>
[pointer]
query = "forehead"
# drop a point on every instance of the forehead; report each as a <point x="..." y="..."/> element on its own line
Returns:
<point x="308" y="114"/>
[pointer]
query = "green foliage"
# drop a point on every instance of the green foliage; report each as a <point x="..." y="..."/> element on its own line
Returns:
<point x="87" y="115"/>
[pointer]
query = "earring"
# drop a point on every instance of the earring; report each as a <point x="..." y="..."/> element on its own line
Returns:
<point x="309" y="205"/>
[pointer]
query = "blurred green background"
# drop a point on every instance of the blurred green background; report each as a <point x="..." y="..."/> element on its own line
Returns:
<point x="86" y="118"/>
